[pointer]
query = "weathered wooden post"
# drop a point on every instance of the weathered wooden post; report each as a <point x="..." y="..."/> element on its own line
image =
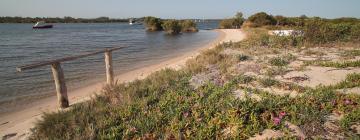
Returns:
<point x="58" y="73"/>
<point x="60" y="85"/>
<point x="109" y="68"/>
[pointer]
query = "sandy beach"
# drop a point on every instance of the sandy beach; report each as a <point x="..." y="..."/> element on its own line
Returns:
<point x="18" y="123"/>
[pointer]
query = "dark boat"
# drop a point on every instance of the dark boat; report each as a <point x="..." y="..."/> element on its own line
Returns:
<point x="42" y="25"/>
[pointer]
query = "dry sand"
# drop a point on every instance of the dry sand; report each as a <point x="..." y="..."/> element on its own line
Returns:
<point x="20" y="122"/>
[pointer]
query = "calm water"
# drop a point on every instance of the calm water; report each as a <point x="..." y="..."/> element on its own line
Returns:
<point x="19" y="45"/>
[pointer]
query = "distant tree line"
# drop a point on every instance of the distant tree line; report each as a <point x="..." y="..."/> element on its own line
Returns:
<point x="263" y="19"/>
<point x="316" y="30"/>
<point x="59" y="20"/>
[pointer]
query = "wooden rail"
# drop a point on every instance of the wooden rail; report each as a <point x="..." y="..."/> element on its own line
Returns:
<point x="59" y="77"/>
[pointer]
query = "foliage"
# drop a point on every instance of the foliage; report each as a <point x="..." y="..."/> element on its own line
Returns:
<point x="351" y="53"/>
<point x="188" y="26"/>
<point x="320" y="32"/>
<point x="235" y="22"/>
<point x="344" y="64"/>
<point x="278" y="61"/>
<point x="268" y="82"/>
<point x="153" y="23"/>
<point x="290" y="21"/>
<point x="242" y="57"/>
<point x="171" y="27"/>
<point x="261" y="19"/>
<point x="352" y="80"/>
<point x="350" y="119"/>
<point x="170" y="108"/>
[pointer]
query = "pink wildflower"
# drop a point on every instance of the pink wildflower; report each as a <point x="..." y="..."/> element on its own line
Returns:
<point x="282" y="114"/>
<point x="277" y="120"/>
<point x="347" y="101"/>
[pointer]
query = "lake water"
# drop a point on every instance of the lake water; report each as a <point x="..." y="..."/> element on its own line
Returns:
<point x="20" y="45"/>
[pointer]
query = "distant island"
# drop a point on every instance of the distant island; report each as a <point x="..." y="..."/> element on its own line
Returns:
<point x="60" y="20"/>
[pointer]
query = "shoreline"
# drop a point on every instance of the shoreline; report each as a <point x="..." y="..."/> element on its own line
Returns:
<point x="22" y="120"/>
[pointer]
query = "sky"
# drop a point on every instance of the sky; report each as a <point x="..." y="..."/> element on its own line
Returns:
<point x="178" y="8"/>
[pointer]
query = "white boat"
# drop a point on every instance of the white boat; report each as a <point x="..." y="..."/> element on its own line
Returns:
<point x="133" y="22"/>
<point x="42" y="25"/>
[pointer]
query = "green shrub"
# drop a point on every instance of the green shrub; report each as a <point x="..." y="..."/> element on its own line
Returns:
<point x="344" y="64"/>
<point x="226" y="24"/>
<point x="261" y="19"/>
<point x="352" y="80"/>
<point x="232" y="23"/>
<point x="350" y="119"/>
<point x="268" y="82"/>
<point x="278" y="61"/>
<point x="319" y="31"/>
<point x="171" y="27"/>
<point x="188" y="26"/>
<point x="242" y="57"/>
<point x="351" y="53"/>
<point x="153" y="23"/>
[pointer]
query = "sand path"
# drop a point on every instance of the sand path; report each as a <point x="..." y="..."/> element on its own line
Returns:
<point x="18" y="123"/>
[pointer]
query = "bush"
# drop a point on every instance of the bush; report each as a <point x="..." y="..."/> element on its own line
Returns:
<point x="261" y="19"/>
<point x="153" y="23"/>
<point x="188" y="26"/>
<point x="172" y="26"/>
<point x="319" y="31"/>
<point x="232" y="23"/>
<point x="278" y="61"/>
<point x="226" y="24"/>
<point x="290" y="21"/>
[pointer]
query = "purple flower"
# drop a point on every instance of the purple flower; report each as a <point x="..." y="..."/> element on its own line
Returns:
<point x="277" y="120"/>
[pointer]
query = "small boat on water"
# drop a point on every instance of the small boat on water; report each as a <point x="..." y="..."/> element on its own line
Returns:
<point x="133" y="22"/>
<point x="42" y="25"/>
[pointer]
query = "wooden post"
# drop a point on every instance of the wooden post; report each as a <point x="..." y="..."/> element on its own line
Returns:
<point x="109" y="68"/>
<point x="60" y="85"/>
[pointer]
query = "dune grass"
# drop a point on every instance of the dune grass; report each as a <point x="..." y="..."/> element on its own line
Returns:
<point x="343" y="64"/>
<point x="165" y="106"/>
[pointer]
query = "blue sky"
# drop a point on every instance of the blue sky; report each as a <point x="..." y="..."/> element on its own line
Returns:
<point x="178" y="8"/>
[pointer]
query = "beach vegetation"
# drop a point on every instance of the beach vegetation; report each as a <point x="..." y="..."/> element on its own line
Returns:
<point x="172" y="27"/>
<point x="278" y="61"/>
<point x="351" y="53"/>
<point x="267" y="82"/>
<point x="164" y="106"/>
<point x="350" y="119"/>
<point x="352" y="80"/>
<point x="232" y="23"/>
<point x="188" y="26"/>
<point x="341" y="64"/>
<point x="153" y="23"/>
<point x="261" y="19"/>
<point x="242" y="57"/>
